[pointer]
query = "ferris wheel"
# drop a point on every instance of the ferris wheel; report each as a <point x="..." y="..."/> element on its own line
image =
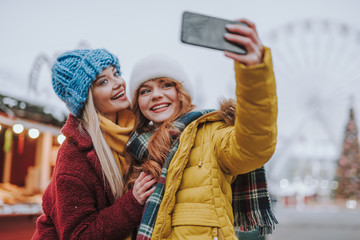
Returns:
<point x="317" y="70"/>
<point x="39" y="82"/>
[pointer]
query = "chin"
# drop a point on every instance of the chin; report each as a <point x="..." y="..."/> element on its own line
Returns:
<point x="125" y="106"/>
<point x="162" y="119"/>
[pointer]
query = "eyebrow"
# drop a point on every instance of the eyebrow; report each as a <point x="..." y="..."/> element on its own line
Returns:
<point x="145" y="84"/>
<point x="101" y="76"/>
<point x="160" y="81"/>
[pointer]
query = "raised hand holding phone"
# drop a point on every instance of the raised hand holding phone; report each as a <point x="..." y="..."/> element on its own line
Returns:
<point x="248" y="37"/>
<point x="239" y="39"/>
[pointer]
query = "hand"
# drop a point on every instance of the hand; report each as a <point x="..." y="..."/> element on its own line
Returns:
<point x="143" y="187"/>
<point x="247" y="37"/>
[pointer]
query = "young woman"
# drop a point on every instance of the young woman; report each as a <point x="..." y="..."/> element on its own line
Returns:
<point x="85" y="198"/>
<point x="200" y="154"/>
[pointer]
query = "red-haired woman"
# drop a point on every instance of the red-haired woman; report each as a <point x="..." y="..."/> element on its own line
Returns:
<point x="202" y="154"/>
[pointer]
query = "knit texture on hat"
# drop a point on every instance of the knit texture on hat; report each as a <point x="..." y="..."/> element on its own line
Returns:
<point x="74" y="71"/>
<point x="155" y="66"/>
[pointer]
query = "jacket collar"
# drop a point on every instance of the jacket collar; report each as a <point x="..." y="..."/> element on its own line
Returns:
<point x="73" y="130"/>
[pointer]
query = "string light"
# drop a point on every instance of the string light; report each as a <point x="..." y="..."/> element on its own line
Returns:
<point x="33" y="133"/>
<point x="284" y="183"/>
<point x="351" y="204"/>
<point x="18" y="128"/>
<point x="61" y="139"/>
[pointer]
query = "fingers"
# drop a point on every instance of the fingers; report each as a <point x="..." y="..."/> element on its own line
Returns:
<point x="249" y="23"/>
<point x="241" y="40"/>
<point x="149" y="192"/>
<point x="141" y="177"/>
<point x="243" y="30"/>
<point x="147" y="185"/>
<point x="143" y="187"/>
<point x="235" y="57"/>
<point x="247" y="60"/>
<point x="245" y="35"/>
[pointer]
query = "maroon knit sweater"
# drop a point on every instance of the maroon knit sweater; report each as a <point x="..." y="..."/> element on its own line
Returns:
<point x="78" y="203"/>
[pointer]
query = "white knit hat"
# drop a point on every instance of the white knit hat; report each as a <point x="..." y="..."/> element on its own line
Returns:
<point x="155" y="66"/>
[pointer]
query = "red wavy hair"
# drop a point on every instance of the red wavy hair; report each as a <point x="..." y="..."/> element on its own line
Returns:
<point x="160" y="141"/>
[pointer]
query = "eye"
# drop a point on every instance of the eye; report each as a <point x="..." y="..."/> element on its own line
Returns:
<point x="168" y="85"/>
<point x="102" y="81"/>
<point x="117" y="74"/>
<point x="144" y="91"/>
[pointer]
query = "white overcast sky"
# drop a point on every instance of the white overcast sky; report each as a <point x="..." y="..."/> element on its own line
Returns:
<point x="135" y="28"/>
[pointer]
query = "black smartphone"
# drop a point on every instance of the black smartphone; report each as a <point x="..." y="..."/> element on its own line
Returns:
<point x="206" y="31"/>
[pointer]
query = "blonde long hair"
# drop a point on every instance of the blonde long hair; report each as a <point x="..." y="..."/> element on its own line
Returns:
<point x="160" y="141"/>
<point x="108" y="164"/>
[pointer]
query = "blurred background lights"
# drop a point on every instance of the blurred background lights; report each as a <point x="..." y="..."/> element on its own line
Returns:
<point x="61" y="139"/>
<point x="284" y="183"/>
<point x="33" y="133"/>
<point x="351" y="204"/>
<point x="324" y="184"/>
<point x="334" y="185"/>
<point x="18" y="128"/>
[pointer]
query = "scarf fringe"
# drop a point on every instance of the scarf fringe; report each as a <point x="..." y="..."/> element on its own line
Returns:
<point x="264" y="220"/>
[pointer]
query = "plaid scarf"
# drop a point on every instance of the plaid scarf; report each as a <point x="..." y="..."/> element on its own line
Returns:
<point x="251" y="202"/>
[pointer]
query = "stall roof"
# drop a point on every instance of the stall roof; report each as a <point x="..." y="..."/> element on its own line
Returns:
<point x="14" y="107"/>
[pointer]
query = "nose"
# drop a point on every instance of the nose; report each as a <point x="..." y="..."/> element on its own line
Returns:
<point x="118" y="82"/>
<point x="157" y="93"/>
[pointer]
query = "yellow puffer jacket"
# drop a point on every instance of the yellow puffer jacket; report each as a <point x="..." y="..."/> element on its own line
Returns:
<point x="197" y="198"/>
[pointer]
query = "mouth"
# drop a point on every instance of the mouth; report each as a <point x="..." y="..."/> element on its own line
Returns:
<point x="118" y="95"/>
<point x="160" y="107"/>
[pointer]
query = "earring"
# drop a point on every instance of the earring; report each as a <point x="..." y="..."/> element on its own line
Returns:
<point x="151" y="123"/>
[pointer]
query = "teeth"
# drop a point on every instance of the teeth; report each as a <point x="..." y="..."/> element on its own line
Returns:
<point x="118" y="95"/>
<point x="160" y="106"/>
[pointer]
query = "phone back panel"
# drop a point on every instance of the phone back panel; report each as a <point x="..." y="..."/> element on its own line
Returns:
<point x="205" y="31"/>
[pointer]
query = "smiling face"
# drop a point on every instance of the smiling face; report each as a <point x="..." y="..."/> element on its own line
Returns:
<point x="158" y="100"/>
<point x="109" y="93"/>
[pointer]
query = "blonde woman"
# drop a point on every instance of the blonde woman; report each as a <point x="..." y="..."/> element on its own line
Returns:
<point x="85" y="198"/>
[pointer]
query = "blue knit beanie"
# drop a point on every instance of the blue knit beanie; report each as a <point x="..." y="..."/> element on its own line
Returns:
<point x="74" y="71"/>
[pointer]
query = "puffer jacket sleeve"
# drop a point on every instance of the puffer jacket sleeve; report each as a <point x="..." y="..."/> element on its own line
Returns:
<point x="251" y="142"/>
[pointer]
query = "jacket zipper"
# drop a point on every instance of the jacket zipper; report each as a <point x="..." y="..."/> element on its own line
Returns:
<point x="172" y="191"/>
<point x="214" y="233"/>
<point x="201" y="150"/>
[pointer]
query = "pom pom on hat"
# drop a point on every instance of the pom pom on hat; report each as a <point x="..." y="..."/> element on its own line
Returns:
<point x="74" y="71"/>
<point x="155" y="66"/>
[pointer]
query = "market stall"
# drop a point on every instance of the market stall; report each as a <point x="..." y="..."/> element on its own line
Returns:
<point x="29" y="140"/>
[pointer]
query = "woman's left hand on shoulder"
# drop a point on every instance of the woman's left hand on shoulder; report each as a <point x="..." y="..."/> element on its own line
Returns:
<point x="246" y="36"/>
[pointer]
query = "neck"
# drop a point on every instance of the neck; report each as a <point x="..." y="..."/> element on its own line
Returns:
<point x="157" y="125"/>
<point x="111" y="116"/>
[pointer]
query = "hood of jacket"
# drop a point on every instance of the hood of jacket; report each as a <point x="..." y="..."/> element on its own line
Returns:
<point x="227" y="111"/>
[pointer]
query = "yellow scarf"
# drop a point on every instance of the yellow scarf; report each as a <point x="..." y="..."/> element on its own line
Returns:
<point x="117" y="135"/>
